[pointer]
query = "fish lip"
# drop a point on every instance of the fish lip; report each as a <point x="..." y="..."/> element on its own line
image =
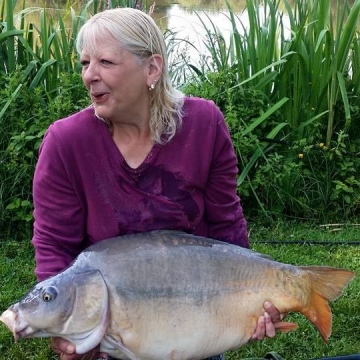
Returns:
<point x="16" y="323"/>
<point x="20" y="334"/>
<point x="9" y="318"/>
<point x="27" y="331"/>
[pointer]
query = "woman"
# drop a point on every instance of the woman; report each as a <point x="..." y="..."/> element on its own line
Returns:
<point x="142" y="157"/>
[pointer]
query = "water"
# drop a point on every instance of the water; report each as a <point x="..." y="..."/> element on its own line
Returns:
<point x="188" y="19"/>
<point x="182" y="16"/>
<point x="185" y="17"/>
<point x="167" y="12"/>
<point x="171" y="14"/>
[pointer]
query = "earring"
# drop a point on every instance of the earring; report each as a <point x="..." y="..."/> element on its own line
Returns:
<point x="152" y="86"/>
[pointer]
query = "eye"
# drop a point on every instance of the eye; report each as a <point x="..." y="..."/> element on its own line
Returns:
<point x="84" y="63"/>
<point x="49" y="294"/>
<point x="106" y="62"/>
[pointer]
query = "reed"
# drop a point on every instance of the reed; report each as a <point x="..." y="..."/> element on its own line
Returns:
<point x="303" y="58"/>
<point x="42" y="50"/>
<point x="299" y="58"/>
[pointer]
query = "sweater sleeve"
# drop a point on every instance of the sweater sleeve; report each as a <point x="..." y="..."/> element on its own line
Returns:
<point x="58" y="214"/>
<point x="222" y="205"/>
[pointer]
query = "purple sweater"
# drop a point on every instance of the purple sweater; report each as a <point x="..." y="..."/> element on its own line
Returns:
<point x="85" y="192"/>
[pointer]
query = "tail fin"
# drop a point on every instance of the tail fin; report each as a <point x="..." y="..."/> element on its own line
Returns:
<point x="327" y="285"/>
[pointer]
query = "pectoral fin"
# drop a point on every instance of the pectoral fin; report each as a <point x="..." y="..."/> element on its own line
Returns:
<point x="109" y="341"/>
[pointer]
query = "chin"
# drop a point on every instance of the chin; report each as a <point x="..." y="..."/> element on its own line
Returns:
<point x="101" y="114"/>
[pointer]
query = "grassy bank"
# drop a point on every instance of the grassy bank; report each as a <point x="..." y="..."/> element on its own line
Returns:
<point x="16" y="276"/>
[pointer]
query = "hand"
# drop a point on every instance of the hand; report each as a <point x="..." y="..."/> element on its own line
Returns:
<point x="66" y="350"/>
<point x="266" y="326"/>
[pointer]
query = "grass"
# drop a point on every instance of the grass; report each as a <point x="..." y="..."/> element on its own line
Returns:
<point x="335" y="234"/>
<point x="17" y="276"/>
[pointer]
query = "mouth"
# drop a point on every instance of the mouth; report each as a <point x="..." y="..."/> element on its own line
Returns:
<point x="99" y="96"/>
<point x="8" y="318"/>
<point x="20" y="334"/>
<point x="19" y="329"/>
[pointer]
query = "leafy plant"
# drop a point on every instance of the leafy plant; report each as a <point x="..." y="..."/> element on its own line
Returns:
<point x="27" y="116"/>
<point x="300" y="67"/>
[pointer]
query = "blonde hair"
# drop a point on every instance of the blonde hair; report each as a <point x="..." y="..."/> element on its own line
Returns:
<point x="137" y="32"/>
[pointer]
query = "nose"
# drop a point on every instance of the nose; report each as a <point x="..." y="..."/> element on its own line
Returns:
<point x="90" y="73"/>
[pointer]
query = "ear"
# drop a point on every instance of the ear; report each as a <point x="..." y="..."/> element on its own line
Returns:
<point x="155" y="67"/>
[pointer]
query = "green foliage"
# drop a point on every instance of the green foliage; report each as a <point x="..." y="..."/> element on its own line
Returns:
<point x="24" y="123"/>
<point x="136" y="4"/>
<point x="287" y="84"/>
<point x="44" y="51"/>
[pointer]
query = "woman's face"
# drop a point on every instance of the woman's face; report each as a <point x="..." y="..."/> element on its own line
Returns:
<point x="117" y="81"/>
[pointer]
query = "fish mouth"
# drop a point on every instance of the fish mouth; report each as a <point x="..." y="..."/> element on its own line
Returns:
<point x="16" y="324"/>
<point x="26" y="331"/>
<point x="8" y="318"/>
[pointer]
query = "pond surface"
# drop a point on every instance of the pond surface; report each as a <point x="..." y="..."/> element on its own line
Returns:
<point x="183" y="11"/>
<point x="185" y="17"/>
<point x="180" y="15"/>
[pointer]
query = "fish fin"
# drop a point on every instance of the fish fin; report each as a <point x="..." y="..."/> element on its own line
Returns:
<point x="285" y="326"/>
<point x="86" y="283"/>
<point x="319" y="313"/>
<point x="327" y="281"/>
<point x="327" y="284"/>
<point x="109" y="341"/>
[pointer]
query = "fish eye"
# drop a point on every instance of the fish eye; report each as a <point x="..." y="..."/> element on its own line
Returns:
<point x="49" y="294"/>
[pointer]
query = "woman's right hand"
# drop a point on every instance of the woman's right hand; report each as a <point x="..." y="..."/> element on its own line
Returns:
<point x="67" y="351"/>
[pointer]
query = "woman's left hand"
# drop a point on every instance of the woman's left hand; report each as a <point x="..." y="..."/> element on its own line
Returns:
<point x="266" y="326"/>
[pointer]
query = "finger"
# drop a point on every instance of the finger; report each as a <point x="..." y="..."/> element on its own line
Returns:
<point x="62" y="346"/>
<point x="270" y="330"/>
<point x="259" y="333"/>
<point x="272" y="311"/>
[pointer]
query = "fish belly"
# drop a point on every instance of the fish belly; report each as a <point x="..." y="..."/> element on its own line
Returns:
<point x="180" y="329"/>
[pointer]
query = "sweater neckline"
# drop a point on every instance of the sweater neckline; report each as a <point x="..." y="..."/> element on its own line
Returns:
<point x="118" y="157"/>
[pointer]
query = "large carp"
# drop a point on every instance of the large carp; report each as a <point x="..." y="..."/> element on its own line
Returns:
<point x="170" y="295"/>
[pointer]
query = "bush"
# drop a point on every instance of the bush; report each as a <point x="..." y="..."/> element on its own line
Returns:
<point x="24" y="123"/>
